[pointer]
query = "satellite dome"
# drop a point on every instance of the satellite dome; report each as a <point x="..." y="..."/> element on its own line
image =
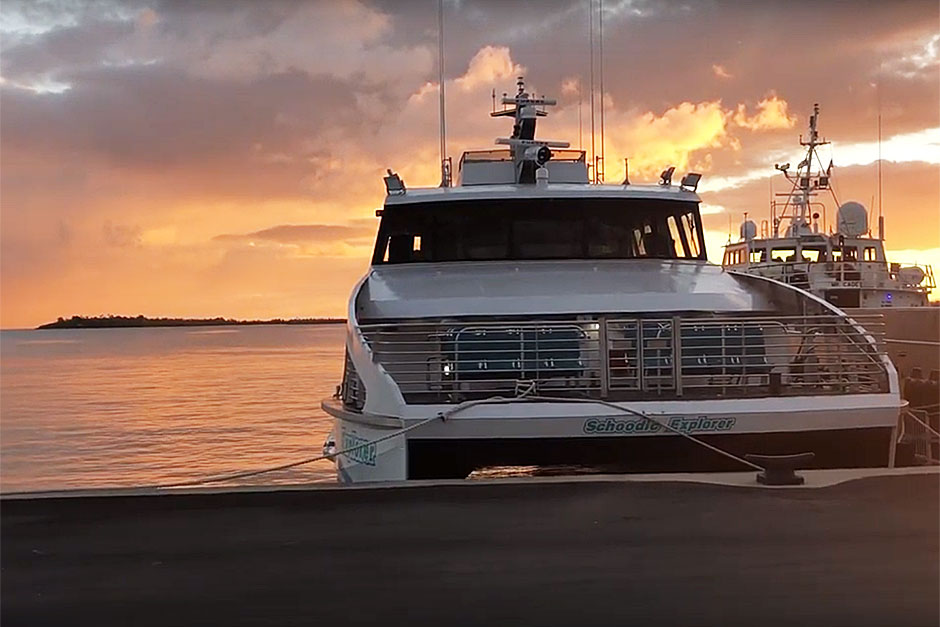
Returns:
<point x="748" y="230"/>
<point x="852" y="219"/>
<point x="912" y="275"/>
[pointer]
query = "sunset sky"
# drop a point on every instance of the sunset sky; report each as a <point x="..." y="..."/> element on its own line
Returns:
<point x="224" y="158"/>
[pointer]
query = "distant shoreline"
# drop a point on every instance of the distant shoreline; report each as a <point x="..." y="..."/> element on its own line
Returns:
<point x="123" y="322"/>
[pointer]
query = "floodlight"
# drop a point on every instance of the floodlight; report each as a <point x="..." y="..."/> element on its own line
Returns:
<point x="690" y="181"/>
<point x="666" y="176"/>
<point x="393" y="183"/>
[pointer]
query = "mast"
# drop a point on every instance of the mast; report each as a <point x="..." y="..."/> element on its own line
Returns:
<point x="445" y="167"/>
<point x="805" y="184"/>
<point x="881" y="220"/>
<point x="580" y="126"/>
<point x="528" y="154"/>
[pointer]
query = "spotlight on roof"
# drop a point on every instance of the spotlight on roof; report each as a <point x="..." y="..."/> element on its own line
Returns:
<point x="690" y="181"/>
<point x="666" y="177"/>
<point x="393" y="184"/>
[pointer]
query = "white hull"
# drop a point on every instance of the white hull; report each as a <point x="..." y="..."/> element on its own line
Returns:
<point x="388" y="460"/>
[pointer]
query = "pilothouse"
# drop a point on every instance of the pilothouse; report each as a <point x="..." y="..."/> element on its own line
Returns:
<point x="521" y="315"/>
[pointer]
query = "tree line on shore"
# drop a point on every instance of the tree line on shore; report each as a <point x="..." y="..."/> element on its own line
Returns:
<point x="110" y="321"/>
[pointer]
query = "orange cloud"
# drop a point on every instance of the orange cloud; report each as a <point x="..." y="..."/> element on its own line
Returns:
<point x="771" y="113"/>
<point x="656" y="141"/>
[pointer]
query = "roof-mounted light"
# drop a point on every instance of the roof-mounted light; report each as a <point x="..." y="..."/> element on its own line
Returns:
<point x="666" y="177"/>
<point x="393" y="184"/>
<point x="690" y="181"/>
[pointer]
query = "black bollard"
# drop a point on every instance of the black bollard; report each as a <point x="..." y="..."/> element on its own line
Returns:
<point x="780" y="469"/>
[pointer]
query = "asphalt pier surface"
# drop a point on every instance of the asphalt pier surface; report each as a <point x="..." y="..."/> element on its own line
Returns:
<point x="579" y="553"/>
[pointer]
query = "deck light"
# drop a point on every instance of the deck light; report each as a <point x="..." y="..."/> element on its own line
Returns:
<point x="690" y="181"/>
<point x="666" y="177"/>
<point x="393" y="183"/>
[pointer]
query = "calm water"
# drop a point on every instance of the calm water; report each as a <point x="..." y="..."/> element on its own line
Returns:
<point x="124" y="407"/>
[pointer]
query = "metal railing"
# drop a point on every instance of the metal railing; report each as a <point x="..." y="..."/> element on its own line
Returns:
<point x="620" y="358"/>
<point x="920" y="428"/>
<point x="804" y="273"/>
<point x="351" y="389"/>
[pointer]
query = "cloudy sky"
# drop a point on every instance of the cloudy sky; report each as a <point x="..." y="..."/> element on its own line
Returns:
<point x="225" y="157"/>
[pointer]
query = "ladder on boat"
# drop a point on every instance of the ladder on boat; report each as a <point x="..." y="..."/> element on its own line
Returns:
<point x="920" y="430"/>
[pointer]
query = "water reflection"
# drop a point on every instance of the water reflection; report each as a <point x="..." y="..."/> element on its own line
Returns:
<point x="122" y="407"/>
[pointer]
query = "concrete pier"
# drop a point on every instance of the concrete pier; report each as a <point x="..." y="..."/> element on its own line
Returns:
<point x="865" y="552"/>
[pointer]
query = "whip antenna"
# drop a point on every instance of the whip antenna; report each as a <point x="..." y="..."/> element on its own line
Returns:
<point x="445" y="165"/>
<point x="591" y="38"/>
<point x="599" y="176"/>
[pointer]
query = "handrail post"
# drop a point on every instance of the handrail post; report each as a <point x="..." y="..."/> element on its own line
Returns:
<point x="677" y="354"/>
<point x="895" y="430"/>
<point x="640" y="360"/>
<point x="603" y="354"/>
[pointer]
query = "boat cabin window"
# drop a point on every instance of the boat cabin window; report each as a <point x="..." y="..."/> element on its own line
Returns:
<point x="783" y="254"/>
<point x="871" y="253"/>
<point x="736" y="256"/>
<point x="759" y="255"/>
<point x="566" y="228"/>
<point x="813" y="254"/>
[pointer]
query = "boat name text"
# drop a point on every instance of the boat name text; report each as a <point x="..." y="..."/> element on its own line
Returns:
<point x="685" y="424"/>
<point x="361" y="452"/>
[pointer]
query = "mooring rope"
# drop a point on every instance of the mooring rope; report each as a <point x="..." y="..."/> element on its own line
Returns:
<point x="443" y="416"/>
<point x="524" y="396"/>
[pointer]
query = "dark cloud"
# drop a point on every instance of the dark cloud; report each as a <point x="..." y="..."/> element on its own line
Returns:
<point x="660" y="53"/>
<point x="152" y="116"/>
<point x="63" y="50"/>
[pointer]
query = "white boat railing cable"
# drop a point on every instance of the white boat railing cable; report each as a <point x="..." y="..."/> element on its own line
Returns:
<point x="525" y="396"/>
<point x="622" y="359"/>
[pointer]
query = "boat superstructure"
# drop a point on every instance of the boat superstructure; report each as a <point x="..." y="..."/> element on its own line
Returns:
<point x="526" y="316"/>
<point x="848" y="267"/>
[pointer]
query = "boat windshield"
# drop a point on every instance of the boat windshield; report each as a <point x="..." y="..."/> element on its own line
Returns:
<point x="525" y="229"/>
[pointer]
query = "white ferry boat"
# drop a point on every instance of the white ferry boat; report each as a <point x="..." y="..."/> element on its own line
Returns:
<point x="526" y="316"/>
<point x="847" y="268"/>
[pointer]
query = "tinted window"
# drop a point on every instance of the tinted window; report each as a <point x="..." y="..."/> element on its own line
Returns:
<point x="539" y="229"/>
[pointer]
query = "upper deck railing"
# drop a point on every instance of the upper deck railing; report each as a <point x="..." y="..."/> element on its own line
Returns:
<point x="851" y="273"/>
<point x="625" y="358"/>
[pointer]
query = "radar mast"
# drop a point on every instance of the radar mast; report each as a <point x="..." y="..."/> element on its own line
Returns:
<point x="805" y="185"/>
<point x="528" y="153"/>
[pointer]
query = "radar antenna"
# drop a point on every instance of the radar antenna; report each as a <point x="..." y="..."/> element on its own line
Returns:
<point x="528" y="153"/>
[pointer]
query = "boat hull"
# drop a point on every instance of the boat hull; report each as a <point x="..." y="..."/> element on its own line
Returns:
<point x="856" y="433"/>
<point x="369" y="460"/>
<point x="912" y="336"/>
<point x="842" y="448"/>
